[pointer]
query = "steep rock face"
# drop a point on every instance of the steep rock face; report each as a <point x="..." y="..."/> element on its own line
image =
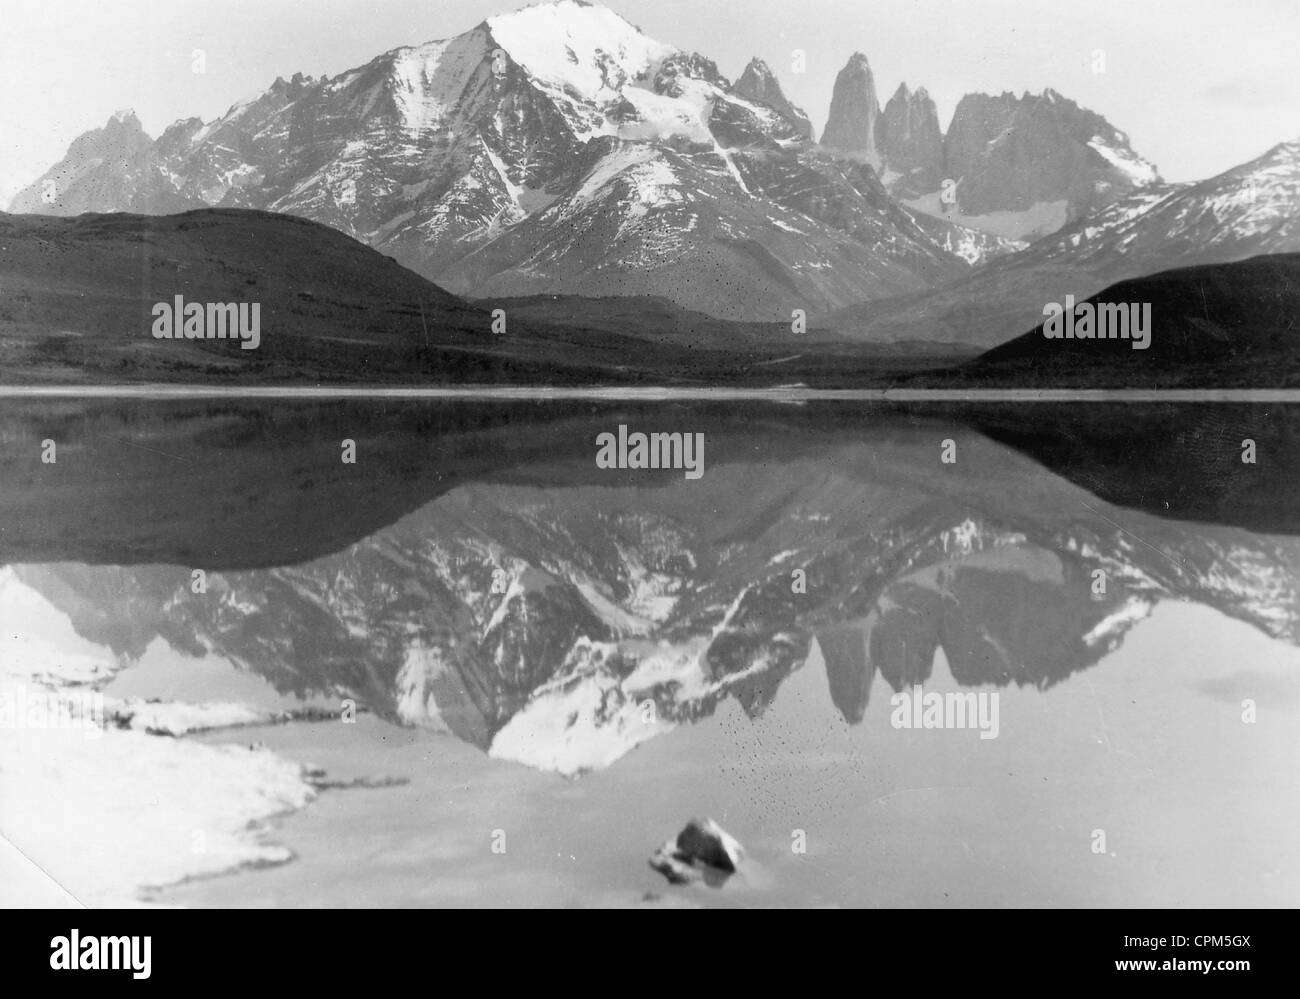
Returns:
<point x="111" y="169"/>
<point x="558" y="149"/>
<point x="853" y="124"/>
<point x="1039" y="156"/>
<point x="759" y="84"/>
<point x="911" y="143"/>
<point x="1007" y="154"/>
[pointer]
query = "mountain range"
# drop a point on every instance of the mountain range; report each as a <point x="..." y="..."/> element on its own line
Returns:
<point x="559" y="151"/>
<point x="1250" y="210"/>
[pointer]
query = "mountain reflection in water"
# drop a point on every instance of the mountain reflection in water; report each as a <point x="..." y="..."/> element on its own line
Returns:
<point x="475" y="572"/>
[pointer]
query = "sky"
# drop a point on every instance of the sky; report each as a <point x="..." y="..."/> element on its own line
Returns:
<point x="1198" y="85"/>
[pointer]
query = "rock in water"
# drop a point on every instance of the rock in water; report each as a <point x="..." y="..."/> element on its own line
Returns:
<point x="708" y="843"/>
<point x="702" y="851"/>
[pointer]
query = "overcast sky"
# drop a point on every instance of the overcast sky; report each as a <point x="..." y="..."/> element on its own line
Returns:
<point x="1199" y="85"/>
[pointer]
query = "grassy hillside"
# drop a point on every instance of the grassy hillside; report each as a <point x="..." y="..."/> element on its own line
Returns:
<point x="76" y="300"/>
<point x="1219" y="325"/>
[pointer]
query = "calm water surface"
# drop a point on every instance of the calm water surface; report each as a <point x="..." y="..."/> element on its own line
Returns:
<point x="572" y="661"/>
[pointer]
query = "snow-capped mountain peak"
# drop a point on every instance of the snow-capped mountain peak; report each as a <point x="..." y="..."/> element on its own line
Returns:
<point x="558" y="149"/>
<point x="588" y="51"/>
<point x="1247" y="210"/>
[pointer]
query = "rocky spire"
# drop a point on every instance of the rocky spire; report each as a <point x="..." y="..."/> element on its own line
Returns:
<point x="911" y="143"/>
<point x="855" y="112"/>
<point x="1015" y="152"/>
<point x="759" y="84"/>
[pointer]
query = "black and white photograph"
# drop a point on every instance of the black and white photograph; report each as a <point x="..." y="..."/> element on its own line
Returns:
<point x="650" y="454"/>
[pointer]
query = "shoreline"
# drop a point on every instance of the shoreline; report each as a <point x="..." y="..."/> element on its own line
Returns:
<point x="524" y="393"/>
<point x="120" y="804"/>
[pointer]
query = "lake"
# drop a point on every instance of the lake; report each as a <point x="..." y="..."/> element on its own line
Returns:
<point x="411" y="652"/>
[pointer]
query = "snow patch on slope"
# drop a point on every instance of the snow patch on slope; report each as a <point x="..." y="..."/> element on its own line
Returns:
<point x="1139" y="170"/>
<point x="588" y="51"/>
<point x="581" y="722"/>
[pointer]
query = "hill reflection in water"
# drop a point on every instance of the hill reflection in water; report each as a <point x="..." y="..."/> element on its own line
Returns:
<point x="474" y="572"/>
